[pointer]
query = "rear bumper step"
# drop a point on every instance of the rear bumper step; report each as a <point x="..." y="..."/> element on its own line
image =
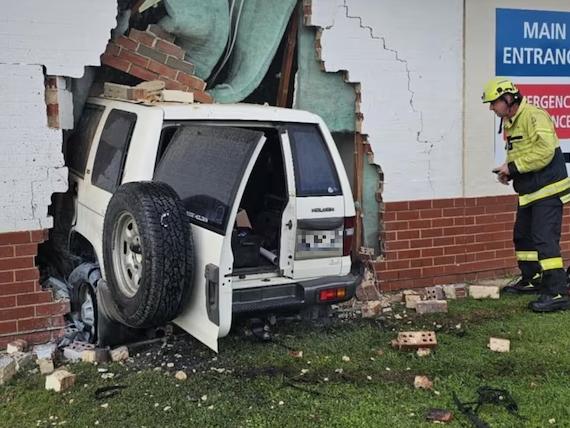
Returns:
<point x="292" y="296"/>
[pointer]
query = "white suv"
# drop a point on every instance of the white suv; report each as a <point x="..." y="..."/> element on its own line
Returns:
<point x="197" y="212"/>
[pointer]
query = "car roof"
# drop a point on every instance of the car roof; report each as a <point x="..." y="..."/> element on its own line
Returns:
<point x="240" y="111"/>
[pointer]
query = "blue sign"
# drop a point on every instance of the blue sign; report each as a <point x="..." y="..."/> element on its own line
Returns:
<point x="532" y="43"/>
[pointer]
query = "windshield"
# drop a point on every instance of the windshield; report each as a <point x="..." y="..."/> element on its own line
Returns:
<point x="205" y="166"/>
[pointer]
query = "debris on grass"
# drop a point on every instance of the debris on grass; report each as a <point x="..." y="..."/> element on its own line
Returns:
<point x="423" y="352"/>
<point x="181" y="375"/>
<point x="439" y="415"/>
<point x="499" y="345"/>
<point x="296" y="354"/>
<point x="7" y="369"/>
<point x="422" y="382"/>
<point x="484" y="291"/>
<point x="431" y="306"/>
<point x="412" y="340"/>
<point x="60" y="380"/>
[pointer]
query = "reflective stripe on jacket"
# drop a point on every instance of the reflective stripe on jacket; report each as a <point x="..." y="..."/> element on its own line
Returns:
<point x="535" y="160"/>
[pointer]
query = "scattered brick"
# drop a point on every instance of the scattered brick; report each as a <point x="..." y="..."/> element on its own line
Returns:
<point x="412" y="300"/>
<point x="45" y="350"/>
<point x="22" y="359"/>
<point x="371" y="309"/>
<point x="422" y="382"/>
<point x="423" y="352"/>
<point x="74" y="350"/>
<point x="119" y="354"/>
<point x="18" y="345"/>
<point x="7" y="369"/>
<point x="434" y="293"/>
<point x="60" y="380"/>
<point x="484" y="291"/>
<point x="431" y="306"/>
<point x="45" y="365"/>
<point x="439" y="415"/>
<point x="97" y="355"/>
<point x="499" y="345"/>
<point x="414" y="340"/>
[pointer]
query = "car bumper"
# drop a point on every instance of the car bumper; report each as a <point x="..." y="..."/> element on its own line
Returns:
<point x="293" y="296"/>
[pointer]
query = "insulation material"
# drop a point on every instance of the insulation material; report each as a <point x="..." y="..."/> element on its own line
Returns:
<point x="313" y="88"/>
<point x="261" y="26"/>
<point x="201" y="29"/>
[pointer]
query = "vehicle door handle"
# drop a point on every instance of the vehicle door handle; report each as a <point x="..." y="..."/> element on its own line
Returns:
<point x="289" y="224"/>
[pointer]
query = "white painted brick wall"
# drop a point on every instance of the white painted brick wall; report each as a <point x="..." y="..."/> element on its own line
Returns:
<point x="63" y="36"/>
<point x="408" y="58"/>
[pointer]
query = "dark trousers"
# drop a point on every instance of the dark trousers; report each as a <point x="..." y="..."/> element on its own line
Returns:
<point x="537" y="229"/>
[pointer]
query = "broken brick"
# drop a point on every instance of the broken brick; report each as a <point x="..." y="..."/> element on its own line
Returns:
<point x="499" y="345"/>
<point x="45" y="365"/>
<point x="119" y="354"/>
<point x="371" y="309"/>
<point x="412" y="300"/>
<point x="60" y="380"/>
<point x="422" y="382"/>
<point x="439" y="415"/>
<point x="431" y="306"/>
<point x="484" y="291"/>
<point x="18" y="345"/>
<point x="7" y="369"/>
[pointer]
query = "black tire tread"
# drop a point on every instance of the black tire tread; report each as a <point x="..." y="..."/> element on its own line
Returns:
<point x="167" y="247"/>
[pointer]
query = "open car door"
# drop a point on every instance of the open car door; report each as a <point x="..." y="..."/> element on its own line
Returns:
<point x="208" y="166"/>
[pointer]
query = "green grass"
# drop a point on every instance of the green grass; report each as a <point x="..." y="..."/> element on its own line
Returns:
<point x="263" y="386"/>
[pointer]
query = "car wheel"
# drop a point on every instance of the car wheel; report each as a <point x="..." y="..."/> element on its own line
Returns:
<point x="147" y="253"/>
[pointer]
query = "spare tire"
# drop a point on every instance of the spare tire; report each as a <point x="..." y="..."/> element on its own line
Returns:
<point x="147" y="253"/>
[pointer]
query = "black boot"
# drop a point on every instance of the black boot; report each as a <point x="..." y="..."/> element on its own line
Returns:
<point x="547" y="303"/>
<point x="524" y="286"/>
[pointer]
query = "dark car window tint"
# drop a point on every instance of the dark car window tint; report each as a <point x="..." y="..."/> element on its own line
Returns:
<point x="112" y="150"/>
<point x="205" y="166"/>
<point x="315" y="173"/>
<point x="78" y="145"/>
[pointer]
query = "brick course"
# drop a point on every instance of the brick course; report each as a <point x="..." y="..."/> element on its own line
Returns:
<point x="148" y="56"/>
<point x="443" y="241"/>
<point x="26" y="311"/>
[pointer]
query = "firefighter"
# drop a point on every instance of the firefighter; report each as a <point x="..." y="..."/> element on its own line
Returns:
<point x="536" y="166"/>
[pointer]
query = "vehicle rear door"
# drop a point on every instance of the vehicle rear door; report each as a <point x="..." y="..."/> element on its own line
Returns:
<point x="209" y="166"/>
<point x="319" y="206"/>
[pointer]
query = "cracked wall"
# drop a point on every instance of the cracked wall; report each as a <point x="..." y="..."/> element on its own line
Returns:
<point x="408" y="61"/>
<point x="39" y="39"/>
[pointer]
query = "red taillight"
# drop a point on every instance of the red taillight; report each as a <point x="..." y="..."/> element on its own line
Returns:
<point x="348" y="235"/>
<point x="332" y="294"/>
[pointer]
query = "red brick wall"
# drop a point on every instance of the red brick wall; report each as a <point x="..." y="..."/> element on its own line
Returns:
<point x="447" y="241"/>
<point x="26" y="310"/>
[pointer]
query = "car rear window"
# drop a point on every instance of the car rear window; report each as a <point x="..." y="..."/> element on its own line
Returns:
<point x="112" y="151"/>
<point x="78" y="145"/>
<point x="315" y="172"/>
<point x="205" y="166"/>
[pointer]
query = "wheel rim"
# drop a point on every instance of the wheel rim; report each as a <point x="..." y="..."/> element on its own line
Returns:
<point x="127" y="254"/>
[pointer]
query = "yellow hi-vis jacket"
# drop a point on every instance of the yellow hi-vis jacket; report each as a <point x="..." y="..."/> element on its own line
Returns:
<point x="535" y="160"/>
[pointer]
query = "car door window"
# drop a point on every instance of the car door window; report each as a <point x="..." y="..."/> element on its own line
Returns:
<point x="205" y="166"/>
<point x="78" y="145"/>
<point x="112" y="151"/>
<point x="315" y="173"/>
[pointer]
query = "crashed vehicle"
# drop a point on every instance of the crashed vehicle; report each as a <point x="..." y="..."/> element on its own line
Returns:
<point x="199" y="212"/>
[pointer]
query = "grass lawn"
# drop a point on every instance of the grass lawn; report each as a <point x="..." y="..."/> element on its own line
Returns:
<point x="259" y="384"/>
